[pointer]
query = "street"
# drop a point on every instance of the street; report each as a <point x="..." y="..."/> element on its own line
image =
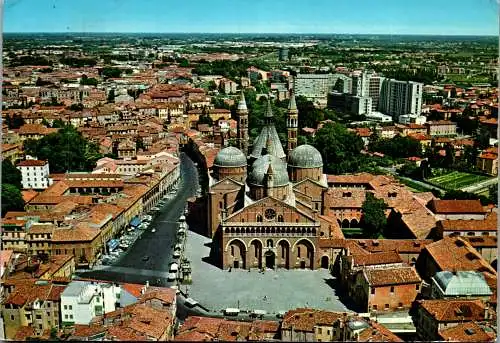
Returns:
<point x="133" y="266"/>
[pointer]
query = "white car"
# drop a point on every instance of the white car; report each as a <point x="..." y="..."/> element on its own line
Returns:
<point x="172" y="276"/>
<point x="177" y="254"/>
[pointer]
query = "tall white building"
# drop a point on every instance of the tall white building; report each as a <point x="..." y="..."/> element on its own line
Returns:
<point x="82" y="301"/>
<point x="35" y="174"/>
<point x="314" y="86"/>
<point x="367" y="84"/>
<point x="401" y="98"/>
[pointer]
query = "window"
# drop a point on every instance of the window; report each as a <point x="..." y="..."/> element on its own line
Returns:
<point x="65" y="307"/>
<point x="11" y="317"/>
<point x="400" y="305"/>
<point x="298" y="252"/>
<point x="65" y="316"/>
<point x="320" y="331"/>
<point x="392" y="289"/>
<point x="38" y="316"/>
<point x="417" y="287"/>
<point x="327" y="332"/>
<point x="97" y="299"/>
<point x="386" y="307"/>
<point x="232" y="250"/>
<point x="269" y="243"/>
<point x="372" y="291"/>
<point x="470" y="233"/>
<point x="374" y="307"/>
<point x="259" y="218"/>
<point x="70" y="307"/>
<point x="485" y="233"/>
<point x="70" y="316"/>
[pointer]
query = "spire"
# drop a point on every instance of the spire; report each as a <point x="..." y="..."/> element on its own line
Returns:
<point x="292" y="106"/>
<point x="269" y="146"/>
<point x="269" y="111"/>
<point x="242" y="105"/>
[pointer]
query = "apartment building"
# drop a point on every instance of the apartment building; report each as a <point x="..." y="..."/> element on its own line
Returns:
<point x="400" y="97"/>
<point x="35" y="174"/>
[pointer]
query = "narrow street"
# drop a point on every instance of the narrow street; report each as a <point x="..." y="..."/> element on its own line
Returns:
<point x="134" y="266"/>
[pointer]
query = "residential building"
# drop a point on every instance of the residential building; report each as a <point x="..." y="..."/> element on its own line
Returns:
<point x="31" y="303"/>
<point x="400" y="98"/>
<point x="488" y="161"/>
<point x="386" y="289"/>
<point x="82" y="301"/>
<point x="450" y="254"/>
<point x="433" y="316"/>
<point x="441" y="128"/>
<point x="469" y="228"/>
<point x="11" y="152"/>
<point x="35" y="174"/>
<point x="314" y="86"/>
<point x="457" y="209"/>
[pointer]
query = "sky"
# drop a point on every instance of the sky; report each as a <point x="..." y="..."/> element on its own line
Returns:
<point x="436" y="17"/>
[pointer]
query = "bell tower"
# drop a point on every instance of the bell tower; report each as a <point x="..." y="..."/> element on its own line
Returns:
<point x="292" y="124"/>
<point x="242" y="136"/>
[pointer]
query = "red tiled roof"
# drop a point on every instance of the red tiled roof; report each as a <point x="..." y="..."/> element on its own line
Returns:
<point x="466" y="332"/>
<point x="456" y="206"/>
<point x="386" y="257"/>
<point x="391" y="276"/>
<point x="450" y="310"/>
<point x="32" y="163"/>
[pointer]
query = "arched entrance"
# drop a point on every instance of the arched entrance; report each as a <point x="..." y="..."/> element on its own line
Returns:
<point x="255" y="257"/>
<point x="324" y="262"/>
<point x="283" y="252"/>
<point x="304" y="252"/>
<point x="345" y="224"/>
<point x="237" y="253"/>
<point x="270" y="259"/>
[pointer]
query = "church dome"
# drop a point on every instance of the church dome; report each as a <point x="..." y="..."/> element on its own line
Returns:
<point x="230" y="157"/>
<point x="261" y="166"/>
<point x="305" y="156"/>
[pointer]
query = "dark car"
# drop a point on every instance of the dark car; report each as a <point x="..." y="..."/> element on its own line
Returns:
<point x="145" y="258"/>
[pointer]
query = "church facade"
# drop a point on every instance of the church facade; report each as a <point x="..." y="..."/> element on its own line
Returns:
<point x="264" y="205"/>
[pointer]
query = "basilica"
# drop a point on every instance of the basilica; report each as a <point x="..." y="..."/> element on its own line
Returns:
<point x="264" y="204"/>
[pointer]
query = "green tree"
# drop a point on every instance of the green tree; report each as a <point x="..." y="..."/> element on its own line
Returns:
<point x="66" y="150"/>
<point x="76" y="107"/>
<point x="12" y="200"/>
<point x="493" y="193"/>
<point x="109" y="72"/>
<point x="470" y="156"/>
<point x="341" y="149"/>
<point x="86" y="81"/>
<point x="10" y="174"/>
<point x="374" y="215"/>
<point x="483" y="138"/>
<point x="111" y="95"/>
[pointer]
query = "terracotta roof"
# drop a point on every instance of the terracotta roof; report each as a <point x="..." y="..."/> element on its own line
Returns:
<point x="391" y="276"/>
<point x="451" y="310"/>
<point x="456" y="206"/>
<point x="386" y="257"/>
<point x="466" y="332"/>
<point x="32" y="163"/>
<point x="304" y="319"/>
<point x="402" y="246"/>
<point x="482" y="241"/>
<point x="455" y="253"/>
<point x="74" y="234"/>
<point x="29" y="195"/>
<point x="377" y="333"/>
<point x="490" y="223"/>
<point x="85" y="331"/>
<point x="332" y="243"/>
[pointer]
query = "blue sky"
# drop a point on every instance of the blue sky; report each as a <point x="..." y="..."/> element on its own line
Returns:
<point x="444" y="17"/>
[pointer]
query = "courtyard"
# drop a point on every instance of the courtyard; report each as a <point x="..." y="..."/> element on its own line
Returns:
<point x="272" y="291"/>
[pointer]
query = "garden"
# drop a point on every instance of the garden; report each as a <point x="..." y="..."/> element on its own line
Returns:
<point x="456" y="180"/>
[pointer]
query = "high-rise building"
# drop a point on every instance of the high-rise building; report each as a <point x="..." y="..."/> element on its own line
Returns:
<point x="314" y="86"/>
<point x="367" y="84"/>
<point x="283" y="54"/>
<point x="400" y="97"/>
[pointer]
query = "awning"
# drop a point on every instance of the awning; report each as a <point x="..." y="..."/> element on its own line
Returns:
<point x="113" y="244"/>
<point x="135" y="222"/>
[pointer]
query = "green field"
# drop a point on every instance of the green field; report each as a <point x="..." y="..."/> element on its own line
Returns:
<point x="456" y="180"/>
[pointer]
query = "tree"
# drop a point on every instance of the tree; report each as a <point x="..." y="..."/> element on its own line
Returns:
<point x="109" y="72"/>
<point x="493" y="193"/>
<point x="470" y="156"/>
<point x="397" y="146"/>
<point x="10" y="174"/>
<point x="111" y="95"/>
<point x="374" y="215"/>
<point x="88" y="81"/>
<point x="66" y="150"/>
<point x="76" y="107"/>
<point x="483" y="138"/>
<point x="341" y="149"/>
<point x="212" y="85"/>
<point x="12" y="200"/>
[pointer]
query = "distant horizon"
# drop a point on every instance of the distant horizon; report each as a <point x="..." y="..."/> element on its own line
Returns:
<point x="250" y="33"/>
<point x="365" y="17"/>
